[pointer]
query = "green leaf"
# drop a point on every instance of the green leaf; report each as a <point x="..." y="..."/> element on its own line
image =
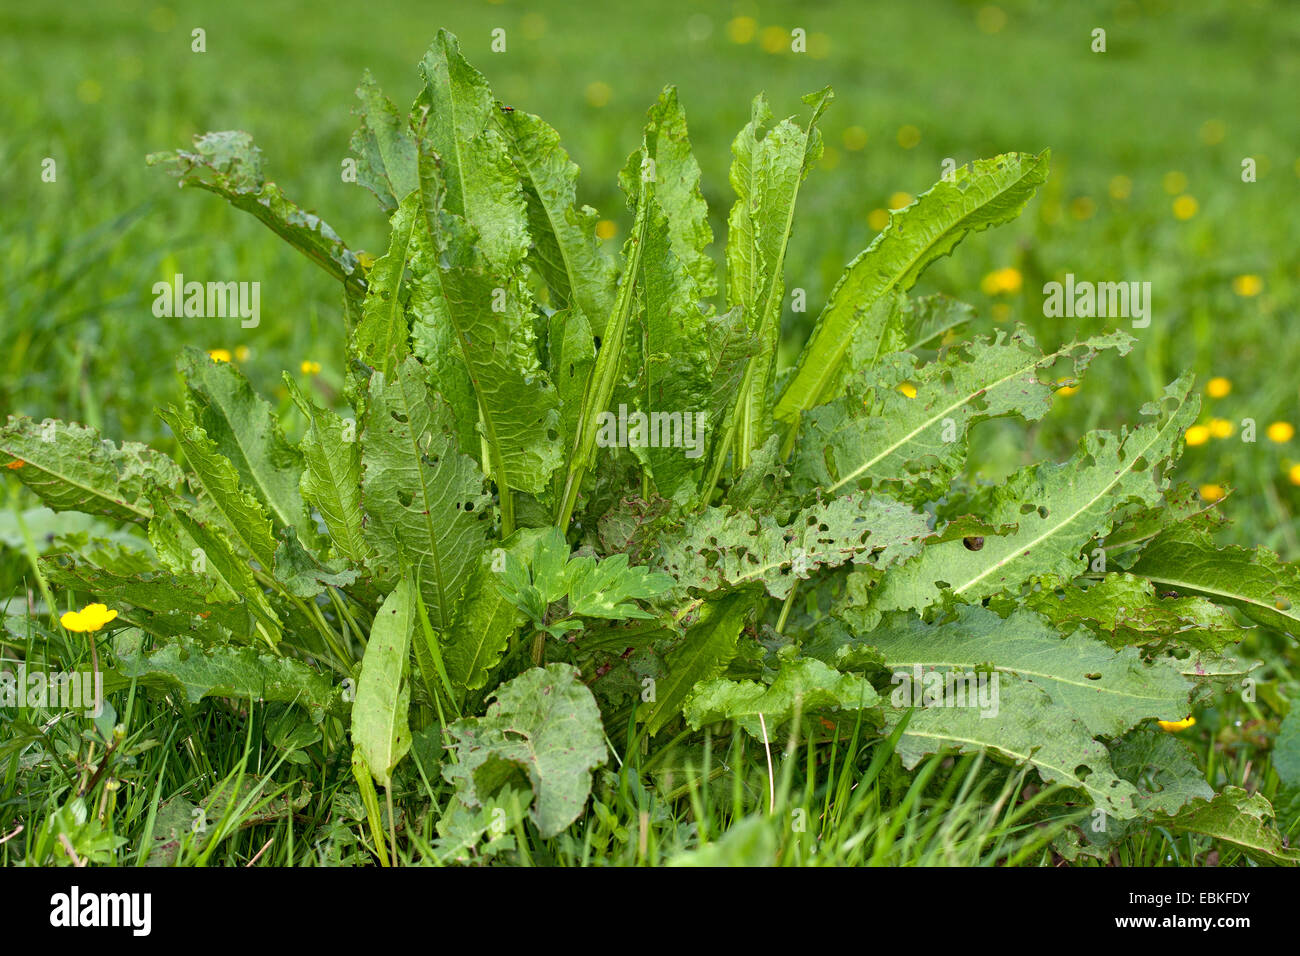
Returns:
<point x="1265" y="588"/>
<point x="565" y="249"/>
<point x="1107" y="691"/>
<point x="802" y="687"/>
<point x="1237" y="817"/>
<point x="1030" y="727"/>
<point x="184" y="543"/>
<point x="475" y="321"/>
<point x="243" y="428"/>
<point x="717" y="548"/>
<point x="383" y="147"/>
<point x="473" y="645"/>
<point x="665" y="157"/>
<point x="1162" y="767"/>
<point x="228" y="164"/>
<point x="986" y="193"/>
<point x="456" y="114"/>
<point x="425" y="505"/>
<point x="72" y="469"/>
<point x="1058" y="508"/>
<point x="898" y="439"/>
<point x="544" y="725"/>
<point x="226" y="671"/>
<point x="381" y="339"/>
<point x="768" y="167"/>
<point x="331" y="482"/>
<point x="302" y="574"/>
<point x="1125" y="610"/>
<point x="243" y="514"/>
<point x="380" y="731"/>
<point x="707" y="648"/>
<point x="156" y="601"/>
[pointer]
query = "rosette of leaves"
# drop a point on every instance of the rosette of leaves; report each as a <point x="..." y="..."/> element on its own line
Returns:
<point x="450" y="530"/>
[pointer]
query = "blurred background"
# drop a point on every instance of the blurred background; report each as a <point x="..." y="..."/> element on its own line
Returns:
<point x="1147" y="142"/>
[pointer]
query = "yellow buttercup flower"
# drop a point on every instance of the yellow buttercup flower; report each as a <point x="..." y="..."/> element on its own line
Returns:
<point x="908" y="136"/>
<point x="1280" y="432"/>
<point x="1294" y="475"/>
<point x="1211" y="493"/>
<point x="1066" y="389"/>
<point x="1247" y="285"/>
<point x="1008" y="280"/>
<point x="1220" y="427"/>
<point x="741" y="29"/>
<point x="908" y="389"/>
<point x="774" y="39"/>
<point x="606" y="229"/>
<point x="1218" y="387"/>
<point x="1173" y="726"/>
<point x="219" y="355"/>
<point x="1185" y="207"/>
<point x="878" y="219"/>
<point x="899" y="200"/>
<point x="309" y="367"/>
<point x="90" y="618"/>
<point x="242" y="353"/>
<point x="1197" y="435"/>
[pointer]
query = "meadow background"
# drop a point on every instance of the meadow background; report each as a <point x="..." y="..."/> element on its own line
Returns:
<point x="1147" y="142"/>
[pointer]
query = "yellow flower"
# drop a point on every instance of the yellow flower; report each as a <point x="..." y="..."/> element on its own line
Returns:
<point x="1294" y="475"/>
<point x="1197" y="435"/>
<point x="741" y="29"/>
<point x="899" y="200"/>
<point x="242" y="353"/>
<point x="90" y="618"/>
<point x="908" y="389"/>
<point x="1121" y="187"/>
<point x="878" y="219"/>
<point x="1247" y="285"/>
<point x="1066" y="389"/>
<point x="908" y="136"/>
<point x="1220" y="427"/>
<point x="1185" y="207"/>
<point x="366" y="260"/>
<point x="774" y="39"/>
<point x="1173" y="726"/>
<point x="309" y="367"/>
<point x="1211" y="493"/>
<point x="606" y="229"/>
<point x="1280" y="432"/>
<point x="998" y="281"/>
<point x="1218" y="387"/>
<point x="219" y="355"/>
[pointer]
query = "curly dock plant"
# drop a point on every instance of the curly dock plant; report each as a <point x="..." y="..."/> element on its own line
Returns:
<point x="505" y="538"/>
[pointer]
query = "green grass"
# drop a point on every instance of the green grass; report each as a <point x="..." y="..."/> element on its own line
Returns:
<point x="1180" y="91"/>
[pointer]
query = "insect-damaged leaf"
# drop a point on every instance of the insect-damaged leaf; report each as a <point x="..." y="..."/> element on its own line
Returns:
<point x="544" y="731"/>
<point x="425" y="505"/>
